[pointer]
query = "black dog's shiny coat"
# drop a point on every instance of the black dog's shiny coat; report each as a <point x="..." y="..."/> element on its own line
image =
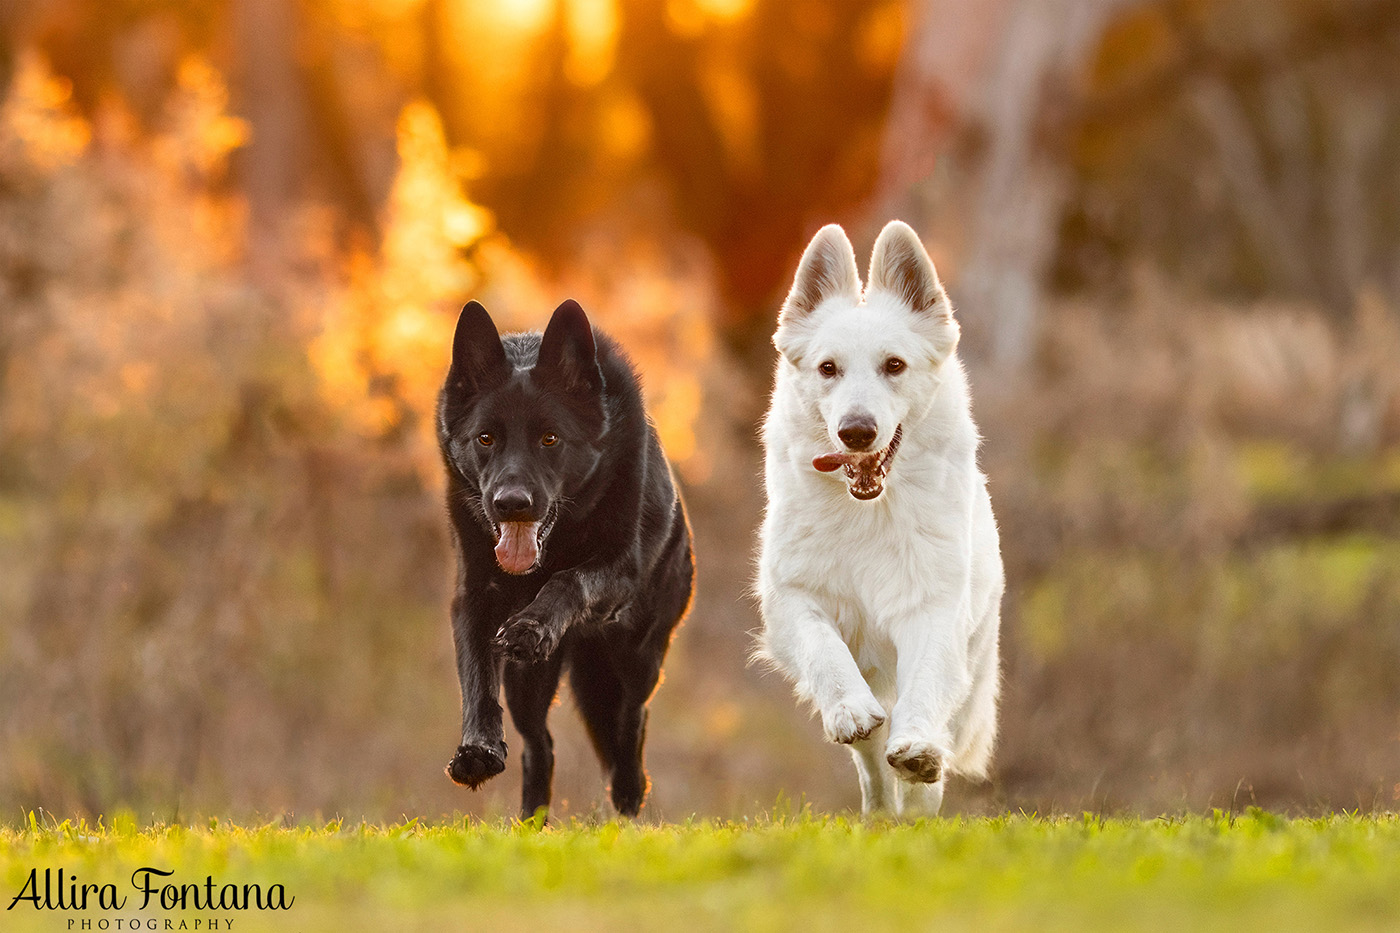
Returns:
<point x="551" y="429"/>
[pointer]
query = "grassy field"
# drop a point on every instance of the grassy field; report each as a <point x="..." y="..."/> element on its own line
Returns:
<point x="1220" y="872"/>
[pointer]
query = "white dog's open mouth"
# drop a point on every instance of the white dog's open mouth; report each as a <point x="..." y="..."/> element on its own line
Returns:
<point x="518" y="544"/>
<point x="865" y="472"/>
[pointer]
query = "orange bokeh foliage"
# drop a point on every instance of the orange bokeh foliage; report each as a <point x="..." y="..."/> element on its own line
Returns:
<point x="382" y="349"/>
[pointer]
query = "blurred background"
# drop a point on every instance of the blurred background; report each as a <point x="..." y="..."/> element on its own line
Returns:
<point x="234" y="236"/>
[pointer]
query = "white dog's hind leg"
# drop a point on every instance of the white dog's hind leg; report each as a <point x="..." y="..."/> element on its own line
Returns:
<point x="975" y="725"/>
<point x="803" y="641"/>
<point x="921" y="799"/>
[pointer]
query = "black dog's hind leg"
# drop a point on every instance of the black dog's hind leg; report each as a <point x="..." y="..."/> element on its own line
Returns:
<point x="614" y="672"/>
<point x="612" y="685"/>
<point x="482" y="754"/>
<point x="530" y="690"/>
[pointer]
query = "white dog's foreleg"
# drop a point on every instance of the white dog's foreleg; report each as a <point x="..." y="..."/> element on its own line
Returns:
<point x="804" y="643"/>
<point x="879" y="791"/>
<point x="933" y="680"/>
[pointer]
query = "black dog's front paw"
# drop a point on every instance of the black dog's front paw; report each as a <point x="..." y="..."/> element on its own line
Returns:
<point x="474" y="765"/>
<point x="525" y="640"/>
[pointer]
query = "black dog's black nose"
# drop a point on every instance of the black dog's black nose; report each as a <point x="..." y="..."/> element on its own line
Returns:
<point x="512" y="500"/>
<point x="857" y="433"/>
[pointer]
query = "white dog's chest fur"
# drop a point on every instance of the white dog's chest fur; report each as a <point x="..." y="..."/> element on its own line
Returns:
<point x="884" y="612"/>
<point x="877" y="567"/>
<point x="875" y="563"/>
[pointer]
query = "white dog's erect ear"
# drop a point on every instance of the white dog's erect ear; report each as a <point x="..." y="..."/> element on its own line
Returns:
<point x="827" y="270"/>
<point x="900" y="265"/>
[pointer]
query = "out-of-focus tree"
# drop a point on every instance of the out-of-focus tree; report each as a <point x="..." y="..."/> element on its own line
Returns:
<point x="1247" y="148"/>
<point x="740" y="123"/>
<point x="990" y="86"/>
<point x="744" y="124"/>
<point x="1250" y="149"/>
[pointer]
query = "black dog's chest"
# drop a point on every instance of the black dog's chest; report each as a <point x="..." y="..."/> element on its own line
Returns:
<point x="508" y="596"/>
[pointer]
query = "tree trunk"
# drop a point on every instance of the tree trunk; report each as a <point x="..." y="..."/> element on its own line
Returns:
<point x="999" y="76"/>
<point x="270" y="99"/>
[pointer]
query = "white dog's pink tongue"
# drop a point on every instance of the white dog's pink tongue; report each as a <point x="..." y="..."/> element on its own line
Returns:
<point x="830" y="463"/>
<point x="518" y="548"/>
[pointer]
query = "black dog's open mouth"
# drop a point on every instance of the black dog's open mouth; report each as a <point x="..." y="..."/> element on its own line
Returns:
<point x="520" y="545"/>
<point x="865" y="472"/>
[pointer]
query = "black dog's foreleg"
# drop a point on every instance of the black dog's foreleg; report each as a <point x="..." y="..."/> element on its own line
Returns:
<point x="482" y="753"/>
<point x="593" y="590"/>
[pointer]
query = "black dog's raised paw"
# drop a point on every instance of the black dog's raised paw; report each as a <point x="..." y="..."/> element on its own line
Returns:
<point x="474" y="765"/>
<point x="525" y="640"/>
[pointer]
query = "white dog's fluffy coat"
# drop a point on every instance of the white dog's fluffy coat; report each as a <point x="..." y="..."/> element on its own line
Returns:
<point x="883" y="610"/>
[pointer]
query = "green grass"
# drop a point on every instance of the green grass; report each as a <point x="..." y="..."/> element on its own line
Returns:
<point x="1256" y="871"/>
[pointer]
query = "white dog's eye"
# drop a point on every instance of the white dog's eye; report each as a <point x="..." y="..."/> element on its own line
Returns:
<point x="827" y="368"/>
<point x="894" y="365"/>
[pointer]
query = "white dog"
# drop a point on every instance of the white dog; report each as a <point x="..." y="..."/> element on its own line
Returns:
<point x="880" y="575"/>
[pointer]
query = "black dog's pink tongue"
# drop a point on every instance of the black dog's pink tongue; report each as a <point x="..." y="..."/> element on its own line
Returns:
<point x="518" y="548"/>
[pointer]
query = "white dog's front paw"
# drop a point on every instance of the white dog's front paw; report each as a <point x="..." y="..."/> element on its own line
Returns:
<point x="916" y="761"/>
<point x="852" y="719"/>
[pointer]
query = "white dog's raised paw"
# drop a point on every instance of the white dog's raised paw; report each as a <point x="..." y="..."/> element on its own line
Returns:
<point x="915" y="761"/>
<point x="852" y="720"/>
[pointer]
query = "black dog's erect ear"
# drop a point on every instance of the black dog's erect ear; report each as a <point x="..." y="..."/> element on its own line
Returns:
<point x="568" y="354"/>
<point x="478" y="358"/>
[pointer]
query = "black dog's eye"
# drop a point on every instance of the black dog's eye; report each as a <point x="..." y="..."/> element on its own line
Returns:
<point x="550" y="439"/>
<point x="894" y="365"/>
<point x="485" y="440"/>
<point x="827" y="369"/>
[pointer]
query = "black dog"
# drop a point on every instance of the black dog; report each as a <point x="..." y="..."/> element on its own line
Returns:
<point x="573" y="546"/>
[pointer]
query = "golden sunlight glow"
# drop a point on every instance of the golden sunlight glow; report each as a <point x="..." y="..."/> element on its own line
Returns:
<point x="40" y="115"/>
<point x="593" y="26"/>
<point x="724" y="10"/>
<point x="202" y="134"/>
<point x="393" y="327"/>
<point x="661" y="315"/>
<point x="518" y="15"/>
<point x="383" y="348"/>
<point x="684" y="18"/>
<point x="881" y="36"/>
<point x="395" y="9"/>
<point x="492" y="54"/>
<point x="732" y="99"/>
<point x="689" y="17"/>
<point x="624" y="126"/>
<point x="429" y="217"/>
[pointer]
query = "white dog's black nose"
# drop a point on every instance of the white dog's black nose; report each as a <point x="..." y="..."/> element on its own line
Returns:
<point x="857" y="433"/>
